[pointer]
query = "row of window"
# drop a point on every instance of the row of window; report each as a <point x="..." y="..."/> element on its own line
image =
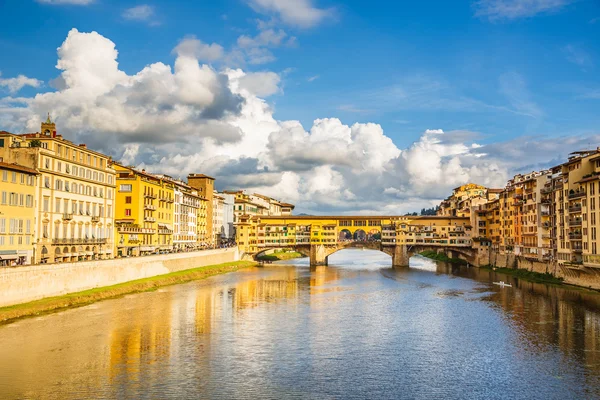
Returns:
<point x="76" y="207"/>
<point x="12" y="240"/>
<point x="77" y="231"/>
<point x="73" y="187"/>
<point x="15" y="226"/>
<point x="16" y="199"/>
<point x="79" y="171"/>
<point x="22" y="178"/>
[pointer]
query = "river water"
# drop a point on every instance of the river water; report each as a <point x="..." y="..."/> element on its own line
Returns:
<point x="356" y="329"/>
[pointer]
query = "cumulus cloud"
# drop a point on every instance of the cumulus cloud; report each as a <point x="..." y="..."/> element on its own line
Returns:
<point x="15" y="84"/>
<point x="193" y="47"/>
<point x="301" y="13"/>
<point x="98" y="102"/>
<point x="190" y="117"/>
<point x="261" y="84"/>
<point x="496" y="10"/>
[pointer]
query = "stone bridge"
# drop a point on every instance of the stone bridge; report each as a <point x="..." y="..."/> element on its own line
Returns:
<point x="400" y="253"/>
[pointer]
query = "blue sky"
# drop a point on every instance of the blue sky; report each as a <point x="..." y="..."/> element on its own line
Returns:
<point x="492" y="70"/>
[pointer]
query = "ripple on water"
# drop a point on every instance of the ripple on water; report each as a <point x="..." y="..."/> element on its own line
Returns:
<point x="348" y="331"/>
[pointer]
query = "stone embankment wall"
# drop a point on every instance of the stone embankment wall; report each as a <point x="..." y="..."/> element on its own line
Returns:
<point x="24" y="284"/>
<point x="580" y="276"/>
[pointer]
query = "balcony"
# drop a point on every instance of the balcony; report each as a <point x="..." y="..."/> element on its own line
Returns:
<point x="67" y="216"/>
<point x="546" y="190"/>
<point x="577" y="249"/>
<point x="575" y="209"/>
<point x="149" y="207"/>
<point x="149" y="219"/>
<point x="575" y="236"/>
<point x="129" y="229"/>
<point x="575" y="222"/>
<point x="79" y="241"/>
<point x="545" y="213"/>
<point x="95" y="218"/>
<point x="150" y="195"/>
<point x="577" y="194"/>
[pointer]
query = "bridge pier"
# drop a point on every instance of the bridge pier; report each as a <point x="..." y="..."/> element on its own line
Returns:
<point x="400" y="256"/>
<point x="318" y="255"/>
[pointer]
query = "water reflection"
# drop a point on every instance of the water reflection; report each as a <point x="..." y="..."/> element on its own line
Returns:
<point x="355" y="328"/>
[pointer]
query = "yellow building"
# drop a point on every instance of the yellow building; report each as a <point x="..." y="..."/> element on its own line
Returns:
<point x="74" y="200"/>
<point x="202" y="224"/>
<point x="17" y="213"/>
<point x="459" y="203"/>
<point x="205" y="186"/>
<point x="144" y="212"/>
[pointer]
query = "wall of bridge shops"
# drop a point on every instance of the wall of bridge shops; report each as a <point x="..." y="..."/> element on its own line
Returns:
<point x="28" y="283"/>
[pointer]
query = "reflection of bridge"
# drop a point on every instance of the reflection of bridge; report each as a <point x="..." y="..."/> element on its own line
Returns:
<point x="319" y="237"/>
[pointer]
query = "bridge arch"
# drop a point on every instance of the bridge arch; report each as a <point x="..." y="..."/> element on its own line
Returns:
<point x="360" y="235"/>
<point x="304" y="250"/>
<point x="345" y="235"/>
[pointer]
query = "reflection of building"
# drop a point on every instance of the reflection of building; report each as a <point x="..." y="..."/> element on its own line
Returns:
<point x="17" y="213"/>
<point x="144" y="214"/>
<point x="74" y="203"/>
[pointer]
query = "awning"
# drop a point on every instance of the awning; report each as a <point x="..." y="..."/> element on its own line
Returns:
<point x="9" y="257"/>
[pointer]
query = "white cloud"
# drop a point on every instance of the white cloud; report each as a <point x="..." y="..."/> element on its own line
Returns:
<point x="497" y="10"/>
<point x="15" y="84"/>
<point x="101" y="104"/>
<point x="313" y="78"/>
<point x="190" y="117"/>
<point x="74" y="2"/>
<point x="255" y="49"/>
<point x="193" y="47"/>
<point x="260" y="84"/>
<point x="143" y="12"/>
<point x="301" y="13"/>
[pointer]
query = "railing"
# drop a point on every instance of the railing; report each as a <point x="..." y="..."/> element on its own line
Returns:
<point x="79" y="241"/>
<point x="150" y="195"/>
<point x="67" y="216"/>
<point x="149" y="207"/>
<point x="150" y="219"/>
<point x="575" y="209"/>
<point x="96" y="219"/>
<point x="546" y="190"/>
<point x="577" y="194"/>
<point x="575" y="236"/>
<point x="575" y="222"/>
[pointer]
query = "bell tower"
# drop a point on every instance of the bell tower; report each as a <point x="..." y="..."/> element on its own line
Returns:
<point x="48" y="128"/>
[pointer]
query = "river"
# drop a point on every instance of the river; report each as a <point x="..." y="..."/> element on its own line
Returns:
<point x="355" y="329"/>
